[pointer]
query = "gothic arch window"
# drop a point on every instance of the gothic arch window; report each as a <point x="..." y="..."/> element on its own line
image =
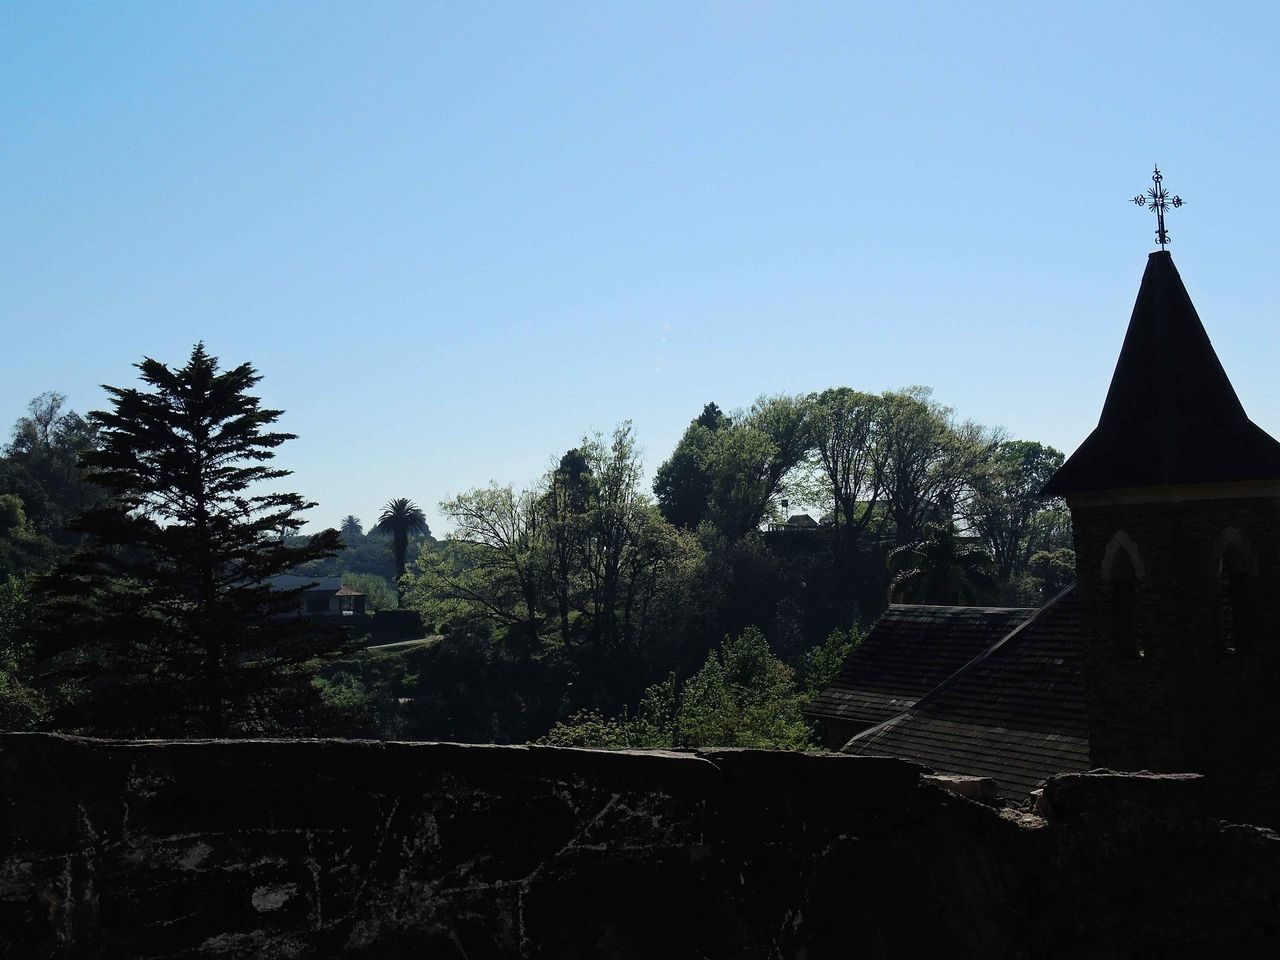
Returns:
<point x="1236" y="571"/>
<point x="1122" y="569"/>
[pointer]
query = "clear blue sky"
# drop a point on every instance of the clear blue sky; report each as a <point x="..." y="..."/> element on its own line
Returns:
<point x="454" y="237"/>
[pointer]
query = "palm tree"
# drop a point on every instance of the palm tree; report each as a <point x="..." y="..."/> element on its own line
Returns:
<point x="941" y="568"/>
<point x="351" y="529"/>
<point x="400" y="518"/>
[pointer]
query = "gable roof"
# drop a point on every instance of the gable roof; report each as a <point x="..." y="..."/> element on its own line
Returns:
<point x="909" y="651"/>
<point x="801" y="520"/>
<point x="1171" y="415"/>
<point x="1015" y="713"/>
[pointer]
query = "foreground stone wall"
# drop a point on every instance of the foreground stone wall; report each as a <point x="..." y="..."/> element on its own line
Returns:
<point x="364" y="850"/>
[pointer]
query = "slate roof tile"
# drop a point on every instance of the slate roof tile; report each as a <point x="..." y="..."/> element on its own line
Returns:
<point x="1015" y="712"/>
<point x="910" y="650"/>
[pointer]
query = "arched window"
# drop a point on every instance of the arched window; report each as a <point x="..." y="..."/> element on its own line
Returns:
<point x="1237" y="572"/>
<point x="1121" y="571"/>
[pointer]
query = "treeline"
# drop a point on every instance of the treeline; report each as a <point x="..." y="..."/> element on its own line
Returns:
<point x="42" y="491"/>
<point x="43" y="487"/>
<point x="592" y="592"/>
<point x="896" y="466"/>
<point x="137" y="548"/>
<point x="589" y="608"/>
<point x="374" y="561"/>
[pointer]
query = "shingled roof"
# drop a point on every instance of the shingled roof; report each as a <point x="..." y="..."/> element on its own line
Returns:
<point x="1171" y="415"/>
<point x="910" y="650"/>
<point x="1015" y="713"/>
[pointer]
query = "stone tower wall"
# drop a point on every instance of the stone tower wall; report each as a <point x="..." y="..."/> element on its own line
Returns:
<point x="1186" y="704"/>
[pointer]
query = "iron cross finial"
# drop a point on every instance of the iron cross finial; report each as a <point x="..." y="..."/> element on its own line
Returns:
<point x="1159" y="199"/>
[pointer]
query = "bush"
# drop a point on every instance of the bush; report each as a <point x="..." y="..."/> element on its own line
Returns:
<point x="21" y="706"/>
<point x="822" y="663"/>
<point x="743" y="696"/>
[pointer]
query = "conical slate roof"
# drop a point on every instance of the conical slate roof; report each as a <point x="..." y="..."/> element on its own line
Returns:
<point x="1171" y="416"/>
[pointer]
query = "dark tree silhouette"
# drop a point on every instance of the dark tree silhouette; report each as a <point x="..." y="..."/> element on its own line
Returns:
<point x="565" y="504"/>
<point x="941" y="568"/>
<point x="351" y="529"/>
<point x="41" y="466"/>
<point x="400" y="518"/>
<point x="171" y="602"/>
<point x="1006" y="508"/>
<point x="682" y="484"/>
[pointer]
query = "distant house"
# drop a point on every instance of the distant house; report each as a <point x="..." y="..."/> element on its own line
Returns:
<point x="825" y="522"/>
<point x="322" y="596"/>
<point x="797" y="521"/>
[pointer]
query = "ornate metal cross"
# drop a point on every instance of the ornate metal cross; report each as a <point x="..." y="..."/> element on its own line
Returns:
<point x="1159" y="199"/>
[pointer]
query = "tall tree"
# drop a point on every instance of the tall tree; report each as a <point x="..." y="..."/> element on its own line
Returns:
<point x="682" y="484"/>
<point x="843" y="426"/>
<point x="941" y="567"/>
<point x="565" y="502"/>
<point x="491" y="566"/>
<point x="174" y="593"/>
<point x="400" y="518"/>
<point x="750" y="462"/>
<point x="741" y="487"/>
<point x="41" y="466"/>
<point x="615" y="517"/>
<point x="586" y="548"/>
<point x="929" y="460"/>
<point x="351" y="530"/>
<point x="1006" y="509"/>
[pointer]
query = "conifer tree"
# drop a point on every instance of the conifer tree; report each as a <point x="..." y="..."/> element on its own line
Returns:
<point x="172" y="600"/>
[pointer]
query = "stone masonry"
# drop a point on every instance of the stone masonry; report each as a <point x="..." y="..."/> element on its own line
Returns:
<point x="306" y="849"/>
<point x="1188" y="703"/>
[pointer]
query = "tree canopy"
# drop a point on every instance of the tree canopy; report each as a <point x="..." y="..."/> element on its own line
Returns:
<point x="401" y="518"/>
<point x="171" y="606"/>
<point x="1006" y="509"/>
<point x="43" y="487"/>
<point x="942" y="567"/>
<point x="351" y="529"/>
<point x="576" y="596"/>
<point x="682" y="484"/>
<point x="743" y="696"/>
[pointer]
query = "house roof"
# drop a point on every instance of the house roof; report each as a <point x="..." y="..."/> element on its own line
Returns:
<point x="909" y="651"/>
<point x="1171" y="415"/>
<point x="1016" y="713"/>
<point x="289" y="581"/>
<point x="348" y="592"/>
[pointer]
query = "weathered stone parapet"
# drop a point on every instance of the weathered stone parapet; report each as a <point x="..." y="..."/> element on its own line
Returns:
<point x="1110" y="801"/>
<point x="363" y="849"/>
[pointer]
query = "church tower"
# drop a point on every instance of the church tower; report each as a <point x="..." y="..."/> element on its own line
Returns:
<point x="1175" y="500"/>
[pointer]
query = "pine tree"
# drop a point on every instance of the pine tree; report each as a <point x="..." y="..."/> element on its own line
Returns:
<point x="172" y="602"/>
